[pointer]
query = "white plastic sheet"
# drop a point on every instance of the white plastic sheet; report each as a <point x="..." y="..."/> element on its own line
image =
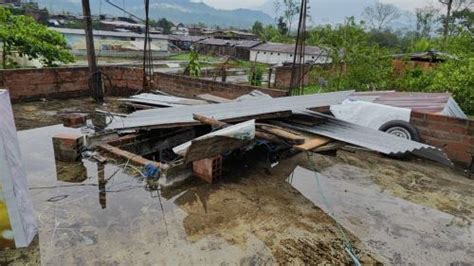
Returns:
<point x="369" y="114"/>
<point x="18" y="223"/>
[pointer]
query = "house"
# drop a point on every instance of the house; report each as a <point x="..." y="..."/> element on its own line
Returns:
<point x="220" y="47"/>
<point x="113" y="25"/>
<point x="230" y="35"/>
<point x="180" y="29"/>
<point x="114" y="43"/>
<point x="184" y="42"/>
<point x="278" y="53"/>
<point x="420" y="60"/>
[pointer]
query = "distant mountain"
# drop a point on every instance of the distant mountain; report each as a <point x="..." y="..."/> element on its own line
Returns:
<point x="185" y="11"/>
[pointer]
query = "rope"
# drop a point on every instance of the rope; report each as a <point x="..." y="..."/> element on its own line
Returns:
<point x="347" y="244"/>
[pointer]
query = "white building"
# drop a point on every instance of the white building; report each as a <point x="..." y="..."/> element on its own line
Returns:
<point x="278" y="53"/>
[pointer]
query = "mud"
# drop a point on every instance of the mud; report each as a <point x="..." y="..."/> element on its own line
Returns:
<point x="418" y="181"/>
<point x="29" y="115"/>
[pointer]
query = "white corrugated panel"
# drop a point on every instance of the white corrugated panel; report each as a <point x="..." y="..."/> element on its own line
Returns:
<point x="13" y="186"/>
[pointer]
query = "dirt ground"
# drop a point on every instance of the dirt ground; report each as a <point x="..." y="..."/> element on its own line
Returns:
<point x="418" y="181"/>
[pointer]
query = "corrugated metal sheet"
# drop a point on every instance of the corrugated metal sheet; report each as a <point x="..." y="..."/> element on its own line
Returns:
<point x="369" y="138"/>
<point x="117" y="34"/>
<point x="179" y="116"/>
<point x="441" y="103"/>
<point x="287" y="48"/>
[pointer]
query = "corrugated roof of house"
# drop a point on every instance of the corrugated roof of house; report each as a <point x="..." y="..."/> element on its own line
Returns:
<point x="120" y="34"/>
<point x="286" y="48"/>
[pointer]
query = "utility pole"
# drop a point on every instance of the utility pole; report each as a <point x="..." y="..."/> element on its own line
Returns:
<point x="95" y="80"/>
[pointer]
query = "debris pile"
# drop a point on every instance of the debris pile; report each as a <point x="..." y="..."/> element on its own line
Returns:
<point x="179" y="137"/>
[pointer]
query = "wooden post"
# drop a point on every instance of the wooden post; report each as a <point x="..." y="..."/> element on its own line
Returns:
<point x="95" y="77"/>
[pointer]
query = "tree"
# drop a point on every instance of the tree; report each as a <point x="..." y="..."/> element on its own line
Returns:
<point x="425" y="19"/>
<point x="22" y="35"/>
<point x="165" y="24"/>
<point x="463" y="20"/>
<point x="380" y="15"/>
<point x="282" y="26"/>
<point x="290" y="8"/>
<point x="451" y="7"/>
<point x="257" y="28"/>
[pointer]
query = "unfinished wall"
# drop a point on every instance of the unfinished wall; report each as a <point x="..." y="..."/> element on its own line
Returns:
<point x="283" y="76"/>
<point x="189" y="87"/>
<point x="455" y="136"/>
<point x="33" y="84"/>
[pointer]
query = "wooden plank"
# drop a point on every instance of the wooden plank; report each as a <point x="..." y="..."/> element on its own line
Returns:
<point x="312" y="142"/>
<point x="288" y="135"/>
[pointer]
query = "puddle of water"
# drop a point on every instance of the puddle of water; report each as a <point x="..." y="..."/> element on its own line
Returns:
<point x="83" y="220"/>
<point x="401" y="231"/>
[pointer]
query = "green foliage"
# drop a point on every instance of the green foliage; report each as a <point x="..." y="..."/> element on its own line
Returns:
<point x="272" y="34"/>
<point x="163" y="23"/>
<point x="24" y="36"/>
<point x="357" y="63"/>
<point x="194" y="66"/>
<point x="257" y="28"/>
<point x="282" y="26"/>
<point x="256" y="75"/>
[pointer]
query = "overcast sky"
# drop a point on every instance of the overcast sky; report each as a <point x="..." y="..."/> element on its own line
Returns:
<point x="232" y="4"/>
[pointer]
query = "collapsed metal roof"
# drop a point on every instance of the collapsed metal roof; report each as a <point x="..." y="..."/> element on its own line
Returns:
<point x="182" y="116"/>
<point x="442" y="103"/>
<point x="368" y="138"/>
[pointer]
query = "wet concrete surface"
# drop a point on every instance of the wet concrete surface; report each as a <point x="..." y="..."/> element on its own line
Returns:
<point x="248" y="218"/>
<point x="29" y="115"/>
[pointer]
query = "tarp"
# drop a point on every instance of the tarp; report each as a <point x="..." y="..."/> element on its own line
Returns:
<point x="17" y="221"/>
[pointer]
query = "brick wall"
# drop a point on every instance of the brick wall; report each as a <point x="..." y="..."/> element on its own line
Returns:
<point x="455" y="136"/>
<point x="283" y="76"/>
<point x="34" y="84"/>
<point x="189" y="87"/>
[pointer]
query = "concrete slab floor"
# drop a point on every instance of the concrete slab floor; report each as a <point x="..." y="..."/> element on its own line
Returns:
<point x="36" y="114"/>
<point x="249" y="218"/>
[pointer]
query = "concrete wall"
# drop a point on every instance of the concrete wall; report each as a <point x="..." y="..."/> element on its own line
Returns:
<point x="34" y="84"/>
<point x="455" y="136"/>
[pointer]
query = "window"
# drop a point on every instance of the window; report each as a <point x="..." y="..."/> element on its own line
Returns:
<point x="278" y="53"/>
<point x="312" y="57"/>
<point x="264" y="52"/>
<point x="132" y="38"/>
<point x="291" y="55"/>
<point x="271" y="53"/>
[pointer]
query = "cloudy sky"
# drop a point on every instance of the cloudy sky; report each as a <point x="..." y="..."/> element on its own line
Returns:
<point x="232" y="4"/>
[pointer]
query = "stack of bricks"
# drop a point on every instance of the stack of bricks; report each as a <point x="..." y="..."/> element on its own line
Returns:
<point x="209" y="169"/>
<point x="454" y="135"/>
<point x="67" y="147"/>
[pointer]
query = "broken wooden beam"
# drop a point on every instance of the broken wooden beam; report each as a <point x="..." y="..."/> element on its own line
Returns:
<point x="217" y="123"/>
<point x="123" y="154"/>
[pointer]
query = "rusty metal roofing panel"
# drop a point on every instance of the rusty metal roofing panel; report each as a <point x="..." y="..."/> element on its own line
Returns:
<point x="369" y="138"/>
<point x="441" y="103"/>
<point x="179" y="116"/>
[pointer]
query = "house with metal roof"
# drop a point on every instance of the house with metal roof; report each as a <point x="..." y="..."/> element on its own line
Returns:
<point x="279" y="53"/>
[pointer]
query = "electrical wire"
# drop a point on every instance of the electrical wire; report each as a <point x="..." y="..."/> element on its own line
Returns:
<point x="347" y="244"/>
